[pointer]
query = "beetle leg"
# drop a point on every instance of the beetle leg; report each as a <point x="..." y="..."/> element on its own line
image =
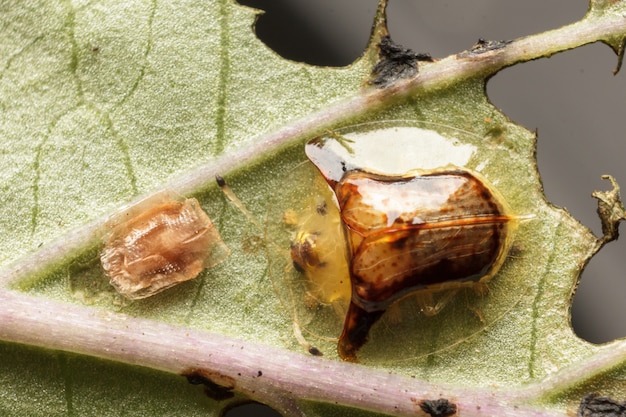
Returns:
<point x="297" y="332"/>
<point x="481" y="289"/>
<point x="230" y="194"/>
<point x="427" y="303"/>
<point x="479" y="314"/>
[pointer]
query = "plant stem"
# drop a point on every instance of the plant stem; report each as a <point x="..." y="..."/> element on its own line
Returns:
<point x="269" y="375"/>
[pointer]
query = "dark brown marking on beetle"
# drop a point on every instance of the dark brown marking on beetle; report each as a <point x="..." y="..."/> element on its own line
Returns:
<point x="592" y="405"/>
<point x="372" y="295"/>
<point x="356" y="331"/>
<point x="399" y="244"/>
<point x="303" y="253"/>
<point x="395" y="63"/>
<point x="438" y="408"/>
<point x="299" y="268"/>
<point x="216" y="386"/>
<point x="322" y="208"/>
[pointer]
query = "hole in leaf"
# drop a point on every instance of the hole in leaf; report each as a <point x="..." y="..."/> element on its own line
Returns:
<point x="250" y="409"/>
<point x="444" y="28"/>
<point x="327" y="33"/>
<point x="598" y="308"/>
<point x="577" y="104"/>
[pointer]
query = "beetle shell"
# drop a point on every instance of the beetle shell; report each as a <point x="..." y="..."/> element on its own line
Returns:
<point x="160" y="246"/>
<point x="423" y="231"/>
<point x="420" y="231"/>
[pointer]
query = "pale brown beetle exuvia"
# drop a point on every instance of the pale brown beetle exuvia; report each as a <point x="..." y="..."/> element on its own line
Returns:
<point x="159" y="243"/>
<point x="389" y="232"/>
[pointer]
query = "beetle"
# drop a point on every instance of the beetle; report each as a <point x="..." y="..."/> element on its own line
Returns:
<point x="403" y="230"/>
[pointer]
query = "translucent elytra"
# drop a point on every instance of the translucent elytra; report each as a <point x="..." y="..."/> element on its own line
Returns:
<point x="307" y="254"/>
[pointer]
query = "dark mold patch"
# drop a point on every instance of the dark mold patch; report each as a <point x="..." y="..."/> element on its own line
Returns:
<point x="438" y="408"/>
<point x="396" y="63"/>
<point x="593" y="405"/>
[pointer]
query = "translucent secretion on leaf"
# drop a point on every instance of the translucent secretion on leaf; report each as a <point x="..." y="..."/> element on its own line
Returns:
<point x="395" y="215"/>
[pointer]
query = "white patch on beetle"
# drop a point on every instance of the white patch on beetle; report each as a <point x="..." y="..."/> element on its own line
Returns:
<point x="403" y="149"/>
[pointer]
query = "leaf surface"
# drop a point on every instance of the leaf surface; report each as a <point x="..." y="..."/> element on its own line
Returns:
<point x="102" y="103"/>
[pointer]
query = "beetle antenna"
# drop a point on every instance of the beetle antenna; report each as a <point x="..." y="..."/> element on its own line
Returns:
<point x="303" y="342"/>
<point x="228" y="192"/>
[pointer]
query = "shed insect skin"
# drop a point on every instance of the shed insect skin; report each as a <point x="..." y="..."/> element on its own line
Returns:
<point x="158" y="244"/>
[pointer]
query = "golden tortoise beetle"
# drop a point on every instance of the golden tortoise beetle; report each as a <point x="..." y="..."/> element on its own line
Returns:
<point x="415" y="231"/>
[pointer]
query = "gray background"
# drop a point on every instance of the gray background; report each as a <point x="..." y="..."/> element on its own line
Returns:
<point x="572" y="99"/>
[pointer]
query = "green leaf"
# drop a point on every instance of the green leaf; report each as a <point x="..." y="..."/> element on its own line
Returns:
<point x="102" y="105"/>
